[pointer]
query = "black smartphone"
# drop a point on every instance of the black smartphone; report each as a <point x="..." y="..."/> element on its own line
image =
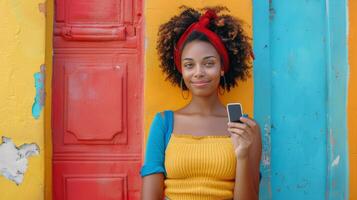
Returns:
<point x="235" y="111"/>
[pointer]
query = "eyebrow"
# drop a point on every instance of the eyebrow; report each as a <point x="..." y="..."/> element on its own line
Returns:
<point x="203" y="58"/>
<point x="209" y="57"/>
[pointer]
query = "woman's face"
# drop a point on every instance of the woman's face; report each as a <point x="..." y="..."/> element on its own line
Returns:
<point x="201" y="68"/>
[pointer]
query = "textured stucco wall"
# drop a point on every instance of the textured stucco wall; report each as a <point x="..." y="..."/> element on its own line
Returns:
<point x="22" y="53"/>
<point x="47" y="109"/>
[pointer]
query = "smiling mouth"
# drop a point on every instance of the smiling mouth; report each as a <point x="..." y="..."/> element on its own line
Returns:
<point x="200" y="84"/>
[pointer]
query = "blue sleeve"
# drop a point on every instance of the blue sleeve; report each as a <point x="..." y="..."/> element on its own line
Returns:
<point x="155" y="148"/>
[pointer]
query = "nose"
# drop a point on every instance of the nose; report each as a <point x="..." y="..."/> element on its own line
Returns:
<point x="199" y="71"/>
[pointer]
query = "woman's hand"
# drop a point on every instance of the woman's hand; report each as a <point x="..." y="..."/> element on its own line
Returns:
<point x="247" y="144"/>
<point x="246" y="137"/>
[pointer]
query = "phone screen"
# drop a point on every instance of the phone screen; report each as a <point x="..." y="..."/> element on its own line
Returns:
<point x="234" y="112"/>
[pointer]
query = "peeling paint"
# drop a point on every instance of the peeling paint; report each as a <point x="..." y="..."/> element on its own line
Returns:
<point x="13" y="160"/>
<point x="267" y="144"/>
<point x="42" y="8"/>
<point x="335" y="161"/>
<point x="40" y="92"/>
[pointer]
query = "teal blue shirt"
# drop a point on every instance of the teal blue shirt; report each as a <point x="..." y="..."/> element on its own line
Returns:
<point x="159" y="136"/>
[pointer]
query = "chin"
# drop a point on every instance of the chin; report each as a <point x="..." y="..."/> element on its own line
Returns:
<point x="203" y="93"/>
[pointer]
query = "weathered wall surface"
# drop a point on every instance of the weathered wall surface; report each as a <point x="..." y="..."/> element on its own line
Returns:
<point x="22" y="53"/>
<point x="22" y="72"/>
<point x="301" y="75"/>
<point x="48" y="105"/>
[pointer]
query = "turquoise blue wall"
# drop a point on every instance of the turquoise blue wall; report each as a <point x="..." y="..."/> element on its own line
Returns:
<point x="300" y="81"/>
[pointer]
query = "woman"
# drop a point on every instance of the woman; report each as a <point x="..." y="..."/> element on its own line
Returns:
<point x="192" y="153"/>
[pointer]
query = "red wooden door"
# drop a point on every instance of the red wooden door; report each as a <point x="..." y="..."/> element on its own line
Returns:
<point x="97" y="99"/>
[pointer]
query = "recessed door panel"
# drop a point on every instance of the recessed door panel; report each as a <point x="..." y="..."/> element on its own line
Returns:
<point x="94" y="103"/>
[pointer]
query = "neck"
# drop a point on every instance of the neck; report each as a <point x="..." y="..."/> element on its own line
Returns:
<point x="205" y="105"/>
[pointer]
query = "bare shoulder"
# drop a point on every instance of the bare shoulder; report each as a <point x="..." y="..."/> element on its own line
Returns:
<point x="182" y="112"/>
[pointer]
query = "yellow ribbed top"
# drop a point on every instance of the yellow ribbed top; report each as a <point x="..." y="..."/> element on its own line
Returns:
<point x="199" y="167"/>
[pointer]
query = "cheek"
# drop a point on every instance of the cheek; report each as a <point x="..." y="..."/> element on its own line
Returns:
<point x="214" y="73"/>
<point x="186" y="77"/>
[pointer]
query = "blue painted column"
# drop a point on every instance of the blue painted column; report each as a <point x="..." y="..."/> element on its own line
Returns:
<point x="337" y="75"/>
<point x="262" y="88"/>
<point x="300" y="46"/>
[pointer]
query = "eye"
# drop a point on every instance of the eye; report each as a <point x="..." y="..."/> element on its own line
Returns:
<point x="188" y="65"/>
<point x="209" y="63"/>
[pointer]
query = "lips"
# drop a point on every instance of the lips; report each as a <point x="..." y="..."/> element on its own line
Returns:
<point x="200" y="83"/>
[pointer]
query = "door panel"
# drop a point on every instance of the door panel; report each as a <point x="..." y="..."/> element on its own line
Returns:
<point x="97" y="100"/>
<point x="95" y="23"/>
<point x="94" y="104"/>
<point x="92" y="109"/>
<point x="97" y="180"/>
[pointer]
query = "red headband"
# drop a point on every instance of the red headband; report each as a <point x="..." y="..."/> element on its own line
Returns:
<point x="201" y="26"/>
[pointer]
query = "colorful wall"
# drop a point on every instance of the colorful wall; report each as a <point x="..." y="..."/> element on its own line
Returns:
<point x="313" y="39"/>
<point x="48" y="87"/>
<point x="22" y="75"/>
<point x="352" y="97"/>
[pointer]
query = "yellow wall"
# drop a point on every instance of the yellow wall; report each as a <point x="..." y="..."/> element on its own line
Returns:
<point x="48" y="134"/>
<point x="22" y="52"/>
<point x="161" y="95"/>
<point x="352" y="98"/>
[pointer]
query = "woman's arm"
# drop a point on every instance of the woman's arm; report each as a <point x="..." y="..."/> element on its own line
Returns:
<point x="152" y="187"/>
<point x="153" y="170"/>
<point x="248" y="146"/>
<point x="247" y="175"/>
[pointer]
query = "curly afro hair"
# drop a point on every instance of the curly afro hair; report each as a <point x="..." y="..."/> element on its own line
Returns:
<point x="227" y="27"/>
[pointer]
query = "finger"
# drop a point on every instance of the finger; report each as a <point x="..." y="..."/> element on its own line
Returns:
<point x="248" y="134"/>
<point x="246" y="129"/>
<point x="243" y="134"/>
<point x="237" y="137"/>
<point x="250" y="122"/>
<point x="238" y="125"/>
<point x="240" y="139"/>
<point x="236" y="131"/>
